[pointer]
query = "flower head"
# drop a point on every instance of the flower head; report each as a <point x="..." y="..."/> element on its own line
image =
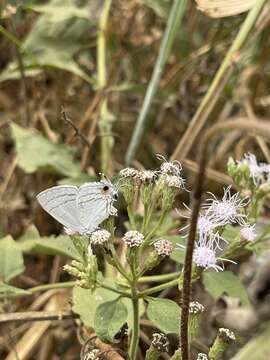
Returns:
<point x="226" y="334"/>
<point x="228" y="209"/>
<point x="128" y="172"/>
<point x="160" y="342"/>
<point x="202" y="356"/>
<point x="248" y="232"/>
<point x="146" y="176"/>
<point x="163" y="247"/>
<point x="170" y="167"/>
<point x="99" y="237"/>
<point x="258" y="171"/>
<point x="133" y="238"/>
<point x="195" y="307"/>
<point x="174" y="181"/>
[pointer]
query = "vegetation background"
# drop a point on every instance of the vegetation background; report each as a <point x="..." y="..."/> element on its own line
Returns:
<point x="174" y="68"/>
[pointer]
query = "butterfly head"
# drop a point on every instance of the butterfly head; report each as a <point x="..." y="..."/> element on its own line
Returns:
<point x="108" y="189"/>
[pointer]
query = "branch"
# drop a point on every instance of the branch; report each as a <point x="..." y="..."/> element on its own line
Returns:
<point x="37" y="316"/>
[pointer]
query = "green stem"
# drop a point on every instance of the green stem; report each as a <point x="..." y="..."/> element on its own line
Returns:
<point x="119" y="266"/>
<point x="120" y="292"/>
<point x="158" y="288"/>
<point x="154" y="230"/>
<point x="131" y="217"/>
<point x="172" y="28"/>
<point x="105" y="122"/>
<point x="136" y="327"/>
<point x="218" y="84"/>
<point x="159" y="278"/>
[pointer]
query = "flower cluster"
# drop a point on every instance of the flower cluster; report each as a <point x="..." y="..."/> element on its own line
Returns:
<point x="259" y="172"/>
<point x="216" y="215"/>
<point x="163" y="247"/>
<point x="99" y="237"/>
<point x="133" y="238"/>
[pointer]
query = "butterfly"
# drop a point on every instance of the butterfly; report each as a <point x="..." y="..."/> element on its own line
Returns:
<point x="80" y="209"/>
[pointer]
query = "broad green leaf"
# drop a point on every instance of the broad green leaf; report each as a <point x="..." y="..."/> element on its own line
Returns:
<point x="11" y="259"/>
<point x="55" y="38"/>
<point x="61" y="245"/>
<point x="11" y="290"/>
<point x="86" y="302"/>
<point x="109" y="318"/>
<point x="36" y="153"/>
<point x="225" y="282"/>
<point x="164" y="314"/>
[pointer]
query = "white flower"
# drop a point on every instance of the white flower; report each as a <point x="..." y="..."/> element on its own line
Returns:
<point x="248" y="232"/>
<point x="163" y="247"/>
<point x="128" y="172"/>
<point x="195" y="307"/>
<point x="202" y="356"/>
<point x="258" y="171"/>
<point x="160" y="342"/>
<point x="226" y="210"/>
<point x="174" y="181"/>
<point x="204" y="254"/>
<point x="170" y="167"/>
<point x="226" y="334"/>
<point x="99" y="237"/>
<point x="133" y="238"/>
<point x="147" y="176"/>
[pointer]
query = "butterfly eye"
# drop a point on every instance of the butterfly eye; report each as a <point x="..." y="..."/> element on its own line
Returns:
<point x="105" y="188"/>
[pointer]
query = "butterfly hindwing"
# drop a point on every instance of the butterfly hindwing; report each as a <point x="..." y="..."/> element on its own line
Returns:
<point x="60" y="202"/>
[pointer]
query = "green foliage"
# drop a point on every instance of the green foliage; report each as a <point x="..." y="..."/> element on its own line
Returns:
<point x="51" y="245"/>
<point x="109" y="318"/>
<point x="164" y="314"/>
<point x="231" y="233"/>
<point x="225" y="282"/>
<point x="55" y="38"/>
<point x="85" y="302"/>
<point x="36" y="153"/>
<point x="11" y="259"/>
<point x="178" y="254"/>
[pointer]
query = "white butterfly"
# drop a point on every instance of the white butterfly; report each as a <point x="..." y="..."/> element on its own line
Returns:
<point x="80" y="209"/>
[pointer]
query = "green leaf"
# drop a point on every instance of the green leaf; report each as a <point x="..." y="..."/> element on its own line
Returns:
<point x="225" y="282"/>
<point x="61" y="245"/>
<point x="164" y="314"/>
<point x="55" y="38"/>
<point x="11" y="259"/>
<point x="109" y="318"/>
<point x="11" y="290"/>
<point x="86" y="302"/>
<point x="56" y="158"/>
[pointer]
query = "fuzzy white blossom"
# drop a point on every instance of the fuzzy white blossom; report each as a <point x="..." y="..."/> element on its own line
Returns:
<point x="146" y="176"/>
<point x="248" y="232"/>
<point x="99" y="237"/>
<point x="258" y="171"/>
<point x="228" y="209"/>
<point x="170" y="167"/>
<point x="133" y="238"/>
<point x="196" y="308"/>
<point x="202" y="356"/>
<point x="174" y="181"/>
<point x="226" y="334"/>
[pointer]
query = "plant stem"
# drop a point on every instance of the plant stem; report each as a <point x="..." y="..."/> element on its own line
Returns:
<point x="104" y="122"/>
<point x="131" y="217"/>
<point x="136" y="327"/>
<point x="175" y="17"/>
<point x="159" y="278"/>
<point x="154" y="230"/>
<point x="157" y="288"/>
<point x="218" y="84"/>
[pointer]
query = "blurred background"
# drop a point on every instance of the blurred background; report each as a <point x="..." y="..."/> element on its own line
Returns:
<point x="74" y="75"/>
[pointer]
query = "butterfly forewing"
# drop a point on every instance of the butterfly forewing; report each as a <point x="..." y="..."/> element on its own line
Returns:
<point x="61" y="203"/>
<point x="92" y="205"/>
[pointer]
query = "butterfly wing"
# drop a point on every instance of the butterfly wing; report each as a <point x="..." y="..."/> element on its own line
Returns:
<point x="93" y="207"/>
<point x="60" y="203"/>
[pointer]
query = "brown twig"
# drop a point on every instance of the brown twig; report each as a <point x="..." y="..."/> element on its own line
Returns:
<point x="36" y="316"/>
<point x="261" y="129"/>
<point x="75" y="128"/>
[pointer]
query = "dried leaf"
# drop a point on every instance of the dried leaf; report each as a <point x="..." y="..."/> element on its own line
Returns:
<point x="223" y="8"/>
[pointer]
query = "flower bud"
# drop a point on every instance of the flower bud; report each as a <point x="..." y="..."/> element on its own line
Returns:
<point x="202" y="356"/>
<point x="133" y="238"/>
<point x="195" y="310"/>
<point x="224" y="338"/>
<point x="100" y="237"/>
<point x="163" y="247"/>
<point x="159" y="344"/>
